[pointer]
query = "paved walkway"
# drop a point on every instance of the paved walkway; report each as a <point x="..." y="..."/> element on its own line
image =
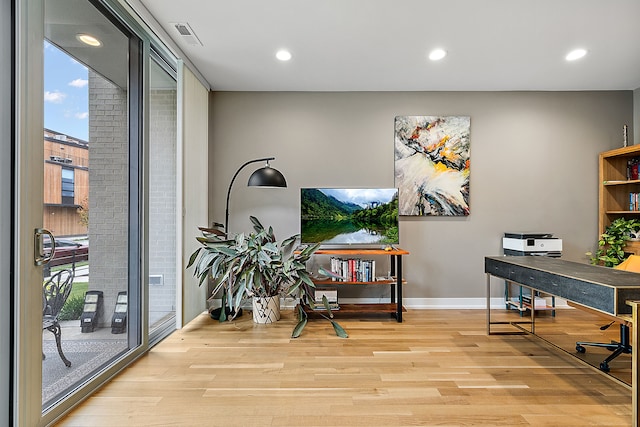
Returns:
<point x="87" y="352"/>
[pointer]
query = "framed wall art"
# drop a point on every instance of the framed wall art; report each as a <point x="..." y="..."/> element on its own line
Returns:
<point x="432" y="158"/>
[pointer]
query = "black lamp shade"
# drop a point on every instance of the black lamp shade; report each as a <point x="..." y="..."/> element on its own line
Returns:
<point x="267" y="177"/>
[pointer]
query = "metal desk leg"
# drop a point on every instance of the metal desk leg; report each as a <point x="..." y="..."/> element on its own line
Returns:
<point x="517" y="325"/>
<point x="488" y="304"/>
<point x="635" y="359"/>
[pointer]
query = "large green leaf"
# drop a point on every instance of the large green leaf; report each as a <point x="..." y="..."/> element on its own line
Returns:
<point x="339" y="330"/>
<point x="297" y="330"/>
<point x="223" y="315"/>
<point x="302" y="322"/>
<point x="256" y="224"/>
<point x="239" y="297"/>
<point x="306" y="279"/>
<point x="270" y="247"/>
<point x="263" y="257"/>
<point x="325" y="302"/>
<point x="193" y="257"/>
<point x="292" y="289"/>
<point x="309" y="250"/>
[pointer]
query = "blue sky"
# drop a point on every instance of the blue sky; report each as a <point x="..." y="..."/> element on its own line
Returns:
<point x="66" y="100"/>
<point x="361" y="196"/>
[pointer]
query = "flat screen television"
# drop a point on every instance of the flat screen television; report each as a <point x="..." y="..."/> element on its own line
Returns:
<point x="349" y="216"/>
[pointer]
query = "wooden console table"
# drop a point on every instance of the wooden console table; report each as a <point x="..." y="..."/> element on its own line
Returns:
<point x="606" y="290"/>
<point x="395" y="304"/>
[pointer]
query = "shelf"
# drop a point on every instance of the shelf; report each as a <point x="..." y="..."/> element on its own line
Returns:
<point x="527" y="306"/>
<point x="365" y="251"/>
<point x="615" y="187"/>
<point x="338" y="282"/>
<point x="358" y="309"/>
<point x="625" y="182"/>
<point x="630" y="151"/>
<point x="622" y="212"/>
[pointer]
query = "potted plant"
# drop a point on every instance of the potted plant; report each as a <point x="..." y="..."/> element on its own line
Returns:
<point x="256" y="266"/>
<point x="612" y="242"/>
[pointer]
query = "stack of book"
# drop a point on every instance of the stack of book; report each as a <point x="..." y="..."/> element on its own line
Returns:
<point x="633" y="202"/>
<point x="539" y="302"/>
<point x="632" y="168"/>
<point x="332" y="297"/>
<point x="354" y="269"/>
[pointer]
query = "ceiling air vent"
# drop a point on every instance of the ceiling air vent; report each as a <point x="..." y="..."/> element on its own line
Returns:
<point x="186" y="33"/>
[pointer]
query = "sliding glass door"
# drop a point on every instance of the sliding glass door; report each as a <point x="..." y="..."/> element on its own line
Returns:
<point x="78" y="312"/>
<point x="90" y="152"/>
<point x="90" y="214"/>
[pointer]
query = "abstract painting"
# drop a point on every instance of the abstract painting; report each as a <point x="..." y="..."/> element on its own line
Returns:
<point x="432" y="164"/>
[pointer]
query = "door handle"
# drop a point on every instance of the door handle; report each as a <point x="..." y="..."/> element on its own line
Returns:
<point x="41" y="257"/>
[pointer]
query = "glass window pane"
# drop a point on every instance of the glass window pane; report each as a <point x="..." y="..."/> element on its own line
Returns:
<point x="162" y="197"/>
<point x="87" y="189"/>
<point x="67" y="174"/>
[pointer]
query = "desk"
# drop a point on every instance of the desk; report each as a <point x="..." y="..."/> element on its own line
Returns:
<point x="606" y="290"/>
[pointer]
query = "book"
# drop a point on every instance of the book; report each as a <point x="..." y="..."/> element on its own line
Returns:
<point x="321" y="307"/>
<point x="351" y="270"/>
<point x="539" y="302"/>
<point x="330" y="293"/>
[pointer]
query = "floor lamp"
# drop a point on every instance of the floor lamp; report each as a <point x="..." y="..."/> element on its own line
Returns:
<point x="264" y="177"/>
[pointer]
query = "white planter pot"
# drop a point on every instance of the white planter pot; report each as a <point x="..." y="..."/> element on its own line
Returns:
<point x="266" y="310"/>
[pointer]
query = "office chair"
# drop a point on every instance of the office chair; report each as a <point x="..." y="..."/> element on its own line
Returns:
<point x="632" y="263"/>
<point x="618" y="348"/>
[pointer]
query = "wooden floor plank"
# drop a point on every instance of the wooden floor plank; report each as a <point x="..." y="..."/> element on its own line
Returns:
<point x="436" y="368"/>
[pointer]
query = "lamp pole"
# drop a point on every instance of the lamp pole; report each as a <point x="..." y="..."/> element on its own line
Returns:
<point x="226" y="217"/>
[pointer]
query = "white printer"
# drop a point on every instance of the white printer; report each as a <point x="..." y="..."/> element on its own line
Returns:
<point x="540" y="244"/>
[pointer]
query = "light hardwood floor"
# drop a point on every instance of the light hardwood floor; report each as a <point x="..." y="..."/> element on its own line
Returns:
<point x="437" y="368"/>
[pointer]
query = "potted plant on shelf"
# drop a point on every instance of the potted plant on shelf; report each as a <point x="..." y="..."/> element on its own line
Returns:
<point x="255" y="266"/>
<point x="612" y="242"/>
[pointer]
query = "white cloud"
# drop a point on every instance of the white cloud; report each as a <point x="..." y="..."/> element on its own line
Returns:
<point x="55" y="97"/>
<point x="79" y="83"/>
<point x="82" y="115"/>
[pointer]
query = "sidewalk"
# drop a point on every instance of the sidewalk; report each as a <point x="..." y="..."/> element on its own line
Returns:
<point x="87" y="352"/>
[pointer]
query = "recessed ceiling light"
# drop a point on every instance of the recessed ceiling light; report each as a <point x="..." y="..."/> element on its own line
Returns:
<point x="89" y="40"/>
<point x="437" y="54"/>
<point x="575" y="54"/>
<point x="283" y="55"/>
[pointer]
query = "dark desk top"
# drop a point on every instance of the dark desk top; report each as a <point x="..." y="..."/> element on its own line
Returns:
<point x="604" y="276"/>
<point x="601" y="288"/>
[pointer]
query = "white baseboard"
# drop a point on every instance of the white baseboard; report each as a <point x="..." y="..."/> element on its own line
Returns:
<point x="465" y="303"/>
<point x="425" y="303"/>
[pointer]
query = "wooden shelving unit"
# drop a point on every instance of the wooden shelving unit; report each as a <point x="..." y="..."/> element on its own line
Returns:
<point x="394" y="306"/>
<point x="614" y="189"/>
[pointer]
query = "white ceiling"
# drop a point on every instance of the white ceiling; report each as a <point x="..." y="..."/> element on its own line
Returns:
<point x="382" y="45"/>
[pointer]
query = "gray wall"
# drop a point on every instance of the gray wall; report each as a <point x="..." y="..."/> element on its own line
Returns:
<point x="533" y="168"/>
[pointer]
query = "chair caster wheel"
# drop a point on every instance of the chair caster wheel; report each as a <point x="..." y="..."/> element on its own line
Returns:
<point x="580" y="349"/>
<point x="604" y="367"/>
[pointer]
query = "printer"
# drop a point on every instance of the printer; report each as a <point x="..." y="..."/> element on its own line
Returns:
<point x="532" y="244"/>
